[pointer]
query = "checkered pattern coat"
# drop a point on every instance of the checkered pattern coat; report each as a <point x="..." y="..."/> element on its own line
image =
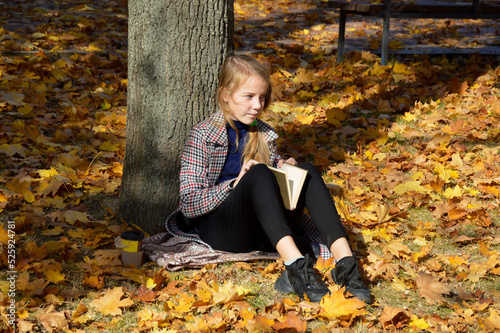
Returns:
<point x="201" y="164"/>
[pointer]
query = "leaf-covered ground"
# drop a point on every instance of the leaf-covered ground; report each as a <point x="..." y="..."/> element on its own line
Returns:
<point x="410" y="151"/>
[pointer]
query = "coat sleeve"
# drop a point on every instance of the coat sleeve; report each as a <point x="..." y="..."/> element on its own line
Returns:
<point x="199" y="194"/>
<point x="274" y="156"/>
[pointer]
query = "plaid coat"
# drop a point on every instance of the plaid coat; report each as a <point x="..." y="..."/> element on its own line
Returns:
<point x="203" y="160"/>
<point x="201" y="165"/>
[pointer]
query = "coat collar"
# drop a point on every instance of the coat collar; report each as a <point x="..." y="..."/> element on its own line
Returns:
<point x="217" y="129"/>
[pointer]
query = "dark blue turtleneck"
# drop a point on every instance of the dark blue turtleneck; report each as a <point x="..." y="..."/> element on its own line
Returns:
<point x="232" y="166"/>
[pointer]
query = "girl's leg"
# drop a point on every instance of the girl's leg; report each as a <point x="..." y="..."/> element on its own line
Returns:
<point x="316" y="197"/>
<point x="251" y="218"/>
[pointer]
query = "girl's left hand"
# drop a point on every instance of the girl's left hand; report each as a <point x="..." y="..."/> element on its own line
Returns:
<point x="291" y="161"/>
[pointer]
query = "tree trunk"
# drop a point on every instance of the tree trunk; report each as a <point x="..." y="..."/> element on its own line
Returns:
<point x="175" y="50"/>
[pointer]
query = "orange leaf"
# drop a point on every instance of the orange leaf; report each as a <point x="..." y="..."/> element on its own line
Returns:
<point x="393" y="316"/>
<point x="336" y="305"/>
<point x="94" y="281"/>
<point x="110" y="302"/>
<point x="18" y="186"/>
<point x="292" y="324"/>
<point x="430" y="288"/>
<point x="323" y="265"/>
<point x="306" y="120"/>
<point x="54" y="321"/>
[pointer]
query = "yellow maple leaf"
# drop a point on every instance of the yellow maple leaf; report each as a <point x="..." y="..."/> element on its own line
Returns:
<point x="410" y="186"/>
<point x="25" y="109"/>
<point x="409" y="117"/>
<point x="71" y="216"/>
<point x="303" y="76"/>
<point x="399" y="284"/>
<point x="335" y="116"/>
<point x="185" y="303"/>
<point x="93" y="48"/>
<point x="151" y="318"/>
<point x="455" y="192"/>
<point x="323" y="265"/>
<point x="109" y="146"/>
<point x="19" y="186"/>
<point x="376" y="70"/>
<point x="396" y="45"/>
<point x="492" y="323"/>
<point x="306" y="120"/>
<point x="280" y="107"/>
<point x="48" y="173"/>
<point x="401" y="68"/>
<point x="336" y="305"/>
<point x="227" y="293"/>
<point x="110" y="302"/>
<point x="46" y="188"/>
<point x="446" y="174"/>
<point x="4" y="234"/>
<point x="54" y="276"/>
<point x="397" y="249"/>
<point x="419" y="323"/>
<point x="150" y="284"/>
<point x="11" y="150"/>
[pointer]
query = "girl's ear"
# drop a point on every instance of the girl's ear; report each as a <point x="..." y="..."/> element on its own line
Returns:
<point x="224" y="94"/>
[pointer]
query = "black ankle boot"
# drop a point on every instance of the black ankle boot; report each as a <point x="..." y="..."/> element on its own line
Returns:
<point x="300" y="278"/>
<point x="346" y="274"/>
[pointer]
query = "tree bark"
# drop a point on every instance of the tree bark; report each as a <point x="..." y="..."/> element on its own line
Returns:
<point x="175" y="50"/>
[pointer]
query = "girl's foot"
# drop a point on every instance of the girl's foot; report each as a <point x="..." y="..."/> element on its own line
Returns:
<point x="300" y="278"/>
<point x="346" y="274"/>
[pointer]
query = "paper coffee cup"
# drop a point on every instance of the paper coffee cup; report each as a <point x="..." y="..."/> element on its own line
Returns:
<point x="130" y="243"/>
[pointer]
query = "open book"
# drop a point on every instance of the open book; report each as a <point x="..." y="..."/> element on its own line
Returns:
<point x="290" y="179"/>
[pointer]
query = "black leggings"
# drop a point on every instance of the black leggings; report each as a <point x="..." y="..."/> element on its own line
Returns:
<point x="253" y="216"/>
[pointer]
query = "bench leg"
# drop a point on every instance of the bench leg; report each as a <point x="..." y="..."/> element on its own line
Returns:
<point x="341" y="41"/>
<point x="385" y="32"/>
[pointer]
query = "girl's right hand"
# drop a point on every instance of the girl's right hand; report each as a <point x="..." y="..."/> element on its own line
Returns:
<point x="244" y="168"/>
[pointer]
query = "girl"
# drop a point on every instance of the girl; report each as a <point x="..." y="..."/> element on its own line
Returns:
<point x="231" y="199"/>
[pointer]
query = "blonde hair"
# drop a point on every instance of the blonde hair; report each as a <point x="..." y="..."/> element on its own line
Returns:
<point x="235" y="71"/>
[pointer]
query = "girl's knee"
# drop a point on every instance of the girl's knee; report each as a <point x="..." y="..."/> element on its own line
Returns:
<point x="309" y="167"/>
<point x="260" y="172"/>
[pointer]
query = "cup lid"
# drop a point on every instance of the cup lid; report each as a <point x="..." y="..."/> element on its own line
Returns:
<point x="132" y="235"/>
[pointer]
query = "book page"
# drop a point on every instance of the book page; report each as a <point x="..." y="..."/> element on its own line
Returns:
<point x="284" y="184"/>
<point x="296" y="178"/>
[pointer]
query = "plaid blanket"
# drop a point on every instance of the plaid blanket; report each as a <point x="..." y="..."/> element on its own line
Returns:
<point x="175" y="250"/>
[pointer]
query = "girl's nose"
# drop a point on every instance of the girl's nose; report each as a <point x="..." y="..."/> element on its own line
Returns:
<point x="259" y="103"/>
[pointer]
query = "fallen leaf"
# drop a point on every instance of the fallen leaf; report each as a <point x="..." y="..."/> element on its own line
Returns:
<point x="392" y="316"/>
<point x="291" y="324"/>
<point x="336" y="305"/>
<point x="110" y="303"/>
<point x="54" y="321"/>
<point x="430" y="288"/>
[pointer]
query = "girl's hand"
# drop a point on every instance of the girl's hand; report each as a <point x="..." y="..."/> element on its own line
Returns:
<point x="244" y="170"/>
<point x="290" y="161"/>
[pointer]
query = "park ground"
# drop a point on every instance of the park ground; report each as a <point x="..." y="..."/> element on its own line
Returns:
<point x="410" y="152"/>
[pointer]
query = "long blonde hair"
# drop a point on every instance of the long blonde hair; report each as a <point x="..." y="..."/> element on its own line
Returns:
<point x="235" y="71"/>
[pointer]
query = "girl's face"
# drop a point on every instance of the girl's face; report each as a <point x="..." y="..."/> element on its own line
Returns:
<point x="247" y="101"/>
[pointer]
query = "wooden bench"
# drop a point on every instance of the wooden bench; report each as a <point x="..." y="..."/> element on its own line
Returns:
<point x="472" y="9"/>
